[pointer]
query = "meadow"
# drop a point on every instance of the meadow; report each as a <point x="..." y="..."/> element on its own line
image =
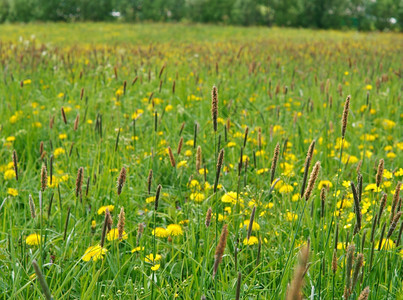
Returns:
<point x="175" y="161"/>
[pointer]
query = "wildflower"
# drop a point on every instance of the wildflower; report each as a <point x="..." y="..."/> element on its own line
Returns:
<point x="94" y="253"/>
<point x="58" y="151"/>
<point x="252" y="241"/>
<point x="114" y="235"/>
<point x="9" y="174"/>
<point x="372" y="187"/>
<point x="368" y="87"/>
<point x="182" y="163"/>
<point x="324" y="183"/>
<point x="33" y="239"/>
<point x="197" y="197"/>
<point x="255" y="225"/>
<point x="286" y="188"/>
<point x="229" y="197"/>
<point x="150" y="258"/>
<point x="160" y="232"/>
<point x="150" y="199"/>
<point x="102" y="209"/>
<point x="12" y="192"/>
<point x="137" y="249"/>
<point x="62" y="136"/>
<point x="155" y="267"/>
<point x="387" y="244"/>
<point x="174" y="229"/>
<point x="291" y="216"/>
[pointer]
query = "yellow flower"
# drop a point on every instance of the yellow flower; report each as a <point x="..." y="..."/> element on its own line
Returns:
<point x="231" y="144"/>
<point x="60" y="95"/>
<point x="9" y="174"/>
<point x="255" y="225"/>
<point x="150" y="258"/>
<point x="62" y="136"/>
<point x="229" y="197"/>
<point x="160" y="232"/>
<point x="252" y="241"/>
<point x="10" y="139"/>
<point x="324" y="183"/>
<point x="27" y="81"/>
<point x="174" y="229"/>
<point x="168" y="108"/>
<point x="93" y="224"/>
<point x="150" y="199"/>
<point x="12" y="192"/>
<point x="155" y="268"/>
<point x="33" y="239"/>
<point x="37" y="124"/>
<point x="137" y="249"/>
<point x="387" y="244"/>
<point x="197" y="197"/>
<point x="94" y="253"/>
<point x="201" y="171"/>
<point x="113" y="235"/>
<point x="286" y="188"/>
<point x="102" y="209"/>
<point x="188" y="153"/>
<point x="368" y="87"/>
<point x="372" y="187"/>
<point x="182" y="163"/>
<point x="291" y="217"/>
<point x="58" y="151"/>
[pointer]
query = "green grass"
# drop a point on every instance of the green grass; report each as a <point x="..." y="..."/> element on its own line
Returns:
<point x="292" y="84"/>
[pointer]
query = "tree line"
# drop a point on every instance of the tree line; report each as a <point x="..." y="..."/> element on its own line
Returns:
<point x="326" y="14"/>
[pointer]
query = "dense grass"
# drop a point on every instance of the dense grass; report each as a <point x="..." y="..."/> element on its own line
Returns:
<point x="290" y="84"/>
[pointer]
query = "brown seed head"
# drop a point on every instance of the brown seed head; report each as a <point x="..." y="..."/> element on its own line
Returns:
<point x="334" y="261"/>
<point x="219" y="166"/>
<point x="121" y="180"/>
<point x="364" y="294"/>
<point x="295" y="289"/>
<point x="214" y="106"/>
<point x="198" y="158"/>
<point x="44" y="178"/>
<point x="312" y="179"/>
<point x="345" y="116"/>
<point x="220" y="249"/>
<point x="171" y="157"/>
<point x="76" y="122"/>
<point x="79" y="181"/>
<point x="393" y="224"/>
<point x="274" y="162"/>
<point x="180" y="144"/>
<point x="63" y="116"/>
<point x="15" y="164"/>
<point x="379" y="173"/>
<point x="308" y="160"/>
<point x="149" y="180"/>
<point x="121" y="223"/>
<point x="157" y="196"/>
<point x="208" y="217"/>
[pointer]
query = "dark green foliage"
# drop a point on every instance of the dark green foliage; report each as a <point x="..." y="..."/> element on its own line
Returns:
<point x="336" y="14"/>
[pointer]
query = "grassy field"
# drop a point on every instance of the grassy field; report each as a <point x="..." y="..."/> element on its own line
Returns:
<point x="233" y="207"/>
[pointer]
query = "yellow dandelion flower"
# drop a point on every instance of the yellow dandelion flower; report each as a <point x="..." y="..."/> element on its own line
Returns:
<point x="9" y="174"/>
<point x="94" y="252"/>
<point x="160" y="232"/>
<point x="137" y="249"/>
<point x="58" y="152"/>
<point x="150" y="258"/>
<point x="252" y="241"/>
<point x="102" y="209"/>
<point x="12" y="192"/>
<point x="62" y="136"/>
<point x="255" y="225"/>
<point x="33" y="239"/>
<point x="155" y="268"/>
<point x="174" y="229"/>
<point x="113" y="235"/>
<point x="197" y="197"/>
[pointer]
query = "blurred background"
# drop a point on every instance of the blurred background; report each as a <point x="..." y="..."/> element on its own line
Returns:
<point x="324" y="14"/>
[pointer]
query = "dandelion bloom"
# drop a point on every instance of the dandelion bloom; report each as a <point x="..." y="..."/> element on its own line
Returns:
<point x="229" y="197"/>
<point x="252" y="241"/>
<point x="155" y="268"/>
<point x="33" y="239"/>
<point x="12" y="192"/>
<point x="150" y="258"/>
<point x="255" y="225"/>
<point x="175" y="229"/>
<point x="160" y="232"/>
<point x="291" y="217"/>
<point x="150" y="199"/>
<point x="113" y="234"/>
<point x="197" y="197"/>
<point x="58" y="151"/>
<point x="102" y="209"/>
<point x="387" y="244"/>
<point x="137" y="249"/>
<point x="9" y="174"/>
<point x="94" y="252"/>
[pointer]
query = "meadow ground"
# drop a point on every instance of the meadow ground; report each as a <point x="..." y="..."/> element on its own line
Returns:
<point x="87" y="110"/>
